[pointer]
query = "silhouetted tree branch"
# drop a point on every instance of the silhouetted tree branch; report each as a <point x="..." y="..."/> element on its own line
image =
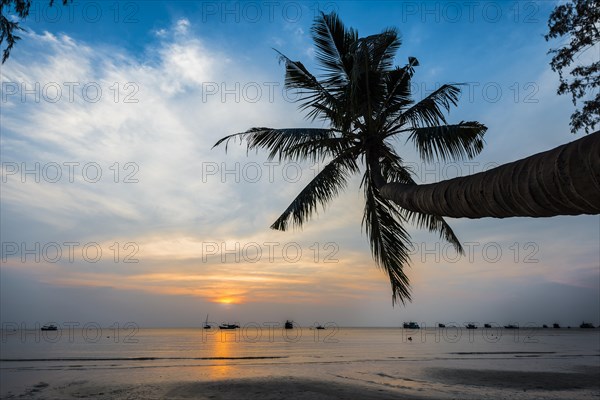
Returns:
<point x="579" y="21"/>
<point x="12" y="13"/>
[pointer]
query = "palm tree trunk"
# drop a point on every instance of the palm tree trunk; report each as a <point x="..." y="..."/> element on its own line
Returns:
<point x="561" y="181"/>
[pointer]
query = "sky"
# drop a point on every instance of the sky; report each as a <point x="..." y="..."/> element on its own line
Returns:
<point x="115" y="208"/>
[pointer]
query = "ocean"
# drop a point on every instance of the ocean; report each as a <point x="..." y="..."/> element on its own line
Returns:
<point x="432" y="363"/>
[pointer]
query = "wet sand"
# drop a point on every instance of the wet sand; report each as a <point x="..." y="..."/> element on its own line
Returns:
<point x="584" y="378"/>
<point x="251" y="389"/>
<point x="460" y="383"/>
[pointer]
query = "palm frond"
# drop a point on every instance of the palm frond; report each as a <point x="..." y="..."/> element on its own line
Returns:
<point x="373" y="59"/>
<point x="318" y="149"/>
<point x="382" y="48"/>
<point x="278" y="141"/>
<point x="434" y="223"/>
<point x="390" y="242"/>
<point x="333" y="42"/>
<point x="393" y="171"/>
<point x="312" y="94"/>
<point x="430" y="110"/>
<point x="298" y="77"/>
<point x="449" y="142"/>
<point x="398" y="89"/>
<point x="321" y="189"/>
<point x="367" y="89"/>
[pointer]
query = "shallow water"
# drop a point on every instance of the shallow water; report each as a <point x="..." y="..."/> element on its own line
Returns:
<point x="374" y="356"/>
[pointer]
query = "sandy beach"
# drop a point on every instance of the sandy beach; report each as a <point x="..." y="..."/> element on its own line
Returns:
<point x="458" y="383"/>
<point x="255" y="388"/>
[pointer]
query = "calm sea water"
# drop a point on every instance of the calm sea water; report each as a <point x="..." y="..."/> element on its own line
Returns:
<point x="383" y="356"/>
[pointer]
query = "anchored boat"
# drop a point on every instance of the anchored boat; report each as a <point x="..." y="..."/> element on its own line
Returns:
<point x="49" y="327"/>
<point x="411" y="325"/>
<point x="228" y="326"/>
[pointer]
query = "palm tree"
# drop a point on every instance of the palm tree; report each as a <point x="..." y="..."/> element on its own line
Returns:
<point x="367" y="103"/>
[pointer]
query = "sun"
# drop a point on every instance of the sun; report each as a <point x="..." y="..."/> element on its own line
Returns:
<point x="227" y="300"/>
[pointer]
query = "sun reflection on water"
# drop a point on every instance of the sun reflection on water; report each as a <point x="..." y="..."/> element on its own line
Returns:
<point x="222" y="346"/>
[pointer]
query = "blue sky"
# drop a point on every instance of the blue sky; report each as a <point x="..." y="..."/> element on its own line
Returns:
<point x="132" y="97"/>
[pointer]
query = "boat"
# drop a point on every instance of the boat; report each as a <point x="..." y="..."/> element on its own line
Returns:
<point x="586" y="325"/>
<point x="487" y="325"/>
<point x="441" y="325"/>
<point x="556" y="326"/>
<point x="471" y="326"/>
<point x="289" y="324"/>
<point x="49" y="327"/>
<point x="319" y="327"/>
<point x="206" y="324"/>
<point x="511" y="326"/>
<point x="410" y="325"/>
<point x="229" y="326"/>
